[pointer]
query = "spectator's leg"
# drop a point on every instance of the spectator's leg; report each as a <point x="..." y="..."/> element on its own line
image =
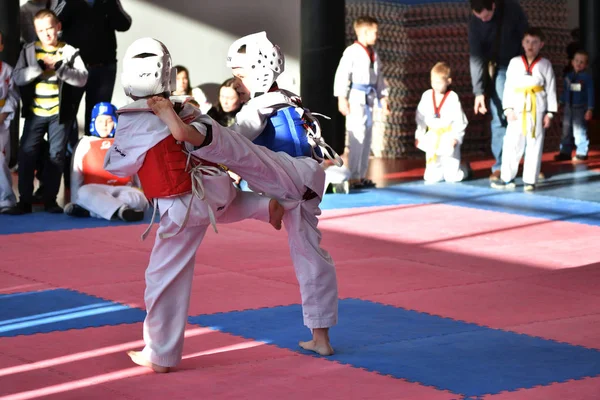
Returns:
<point x="99" y="87"/>
<point x="57" y="138"/>
<point x="498" y="124"/>
<point x="566" y="141"/>
<point x="33" y="133"/>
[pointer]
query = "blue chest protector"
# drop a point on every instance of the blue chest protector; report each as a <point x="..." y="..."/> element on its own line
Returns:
<point x="285" y="132"/>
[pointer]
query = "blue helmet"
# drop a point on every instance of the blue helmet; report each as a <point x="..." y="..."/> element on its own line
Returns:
<point x="103" y="108"/>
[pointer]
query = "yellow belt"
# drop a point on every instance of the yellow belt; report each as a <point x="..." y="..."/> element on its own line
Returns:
<point x="439" y="132"/>
<point x="531" y="91"/>
<point x="2" y="102"/>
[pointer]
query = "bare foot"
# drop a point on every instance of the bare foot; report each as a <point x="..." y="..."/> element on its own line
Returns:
<point x="138" y="358"/>
<point x="276" y="212"/>
<point x="319" y="343"/>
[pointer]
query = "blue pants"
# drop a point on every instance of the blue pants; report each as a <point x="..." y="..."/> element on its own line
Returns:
<point x="34" y="130"/>
<point x="499" y="123"/>
<point x="574" y="131"/>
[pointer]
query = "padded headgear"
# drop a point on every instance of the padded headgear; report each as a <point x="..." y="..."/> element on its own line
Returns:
<point x="262" y="60"/>
<point x="147" y="69"/>
<point x="103" y="108"/>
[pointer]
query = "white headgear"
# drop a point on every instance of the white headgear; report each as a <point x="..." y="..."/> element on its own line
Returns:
<point x="262" y="60"/>
<point x="147" y="69"/>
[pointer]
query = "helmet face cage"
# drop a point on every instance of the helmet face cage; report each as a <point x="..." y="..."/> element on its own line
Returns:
<point x="147" y="69"/>
<point x="103" y="108"/>
<point x="262" y="60"/>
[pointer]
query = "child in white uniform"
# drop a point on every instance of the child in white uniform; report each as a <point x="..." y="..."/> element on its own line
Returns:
<point x="441" y="125"/>
<point x="9" y="101"/>
<point x="529" y="102"/>
<point x="94" y="191"/>
<point x="358" y="84"/>
<point x="190" y="194"/>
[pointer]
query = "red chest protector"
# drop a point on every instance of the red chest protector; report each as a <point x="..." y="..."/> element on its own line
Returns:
<point x="93" y="165"/>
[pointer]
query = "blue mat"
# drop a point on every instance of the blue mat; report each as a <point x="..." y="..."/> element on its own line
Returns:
<point x="60" y="310"/>
<point x="450" y="355"/>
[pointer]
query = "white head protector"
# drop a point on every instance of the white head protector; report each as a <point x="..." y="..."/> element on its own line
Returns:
<point x="147" y="69"/>
<point x="262" y="60"/>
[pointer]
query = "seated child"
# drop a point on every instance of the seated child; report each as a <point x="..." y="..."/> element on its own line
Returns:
<point x="95" y="191"/>
<point x="441" y="125"/>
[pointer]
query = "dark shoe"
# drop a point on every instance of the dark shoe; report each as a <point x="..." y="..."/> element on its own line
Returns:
<point x="356" y="186"/>
<point x="129" y="214"/>
<point x="19" y="209"/>
<point x="367" y="183"/>
<point x="562" y="157"/>
<point x="38" y="196"/>
<point x="580" y="158"/>
<point x="495" y="176"/>
<point x="75" y="210"/>
<point x="53" y="208"/>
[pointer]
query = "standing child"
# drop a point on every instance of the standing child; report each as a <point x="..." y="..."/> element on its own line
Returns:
<point x="190" y="193"/>
<point x="284" y="162"/>
<point x="47" y="73"/>
<point x="94" y="191"/>
<point x="358" y="84"/>
<point x="441" y="125"/>
<point x="578" y="101"/>
<point x="9" y="101"/>
<point x="530" y="103"/>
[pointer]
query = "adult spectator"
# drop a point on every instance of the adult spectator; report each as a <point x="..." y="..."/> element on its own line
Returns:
<point x="495" y="32"/>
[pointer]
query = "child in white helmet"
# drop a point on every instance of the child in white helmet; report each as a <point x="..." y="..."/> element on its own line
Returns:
<point x="285" y="165"/>
<point x="190" y="193"/>
<point x="94" y="191"/>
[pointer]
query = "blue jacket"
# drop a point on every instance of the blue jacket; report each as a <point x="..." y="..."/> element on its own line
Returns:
<point x="585" y="97"/>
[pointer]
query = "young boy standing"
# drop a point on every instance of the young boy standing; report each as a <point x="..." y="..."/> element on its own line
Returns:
<point x="47" y="72"/>
<point x="441" y="125"/>
<point x="358" y="84"/>
<point x="530" y="103"/>
<point x="9" y="101"/>
<point x="578" y="101"/>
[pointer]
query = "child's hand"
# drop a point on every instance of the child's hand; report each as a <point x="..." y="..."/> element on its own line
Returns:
<point x="242" y="91"/>
<point x="416" y="142"/>
<point x="160" y="105"/>
<point x="385" y="106"/>
<point x="49" y="61"/>
<point x="510" y="115"/>
<point x="547" y="121"/>
<point x="3" y="116"/>
<point x="236" y="178"/>
<point x="454" y="143"/>
<point x="343" y="106"/>
<point x="589" y="114"/>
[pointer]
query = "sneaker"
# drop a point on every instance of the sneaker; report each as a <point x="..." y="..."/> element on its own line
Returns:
<point x="503" y="185"/>
<point x="128" y="214"/>
<point x="495" y="176"/>
<point x="562" y="157"/>
<point x="579" y="157"/>
<point x="75" y="210"/>
<point x="38" y="196"/>
<point x="53" y="208"/>
<point x="18" y="209"/>
<point x="340" y="188"/>
<point x="529" y="187"/>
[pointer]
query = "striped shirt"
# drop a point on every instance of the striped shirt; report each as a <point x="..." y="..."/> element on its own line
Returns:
<point x="46" y="98"/>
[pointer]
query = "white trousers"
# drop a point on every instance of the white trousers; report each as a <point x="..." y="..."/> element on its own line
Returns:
<point x="170" y="273"/>
<point x="516" y="143"/>
<point x="103" y="201"/>
<point x="286" y="178"/>
<point x="7" y="196"/>
<point x="445" y="168"/>
<point x="359" y="131"/>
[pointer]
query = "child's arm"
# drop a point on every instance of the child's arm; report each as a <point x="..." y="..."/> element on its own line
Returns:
<point x="342" y="81"/>
<point x="118" y="19"/>
<point x="71" y="68"/>
<point x="420" y="120"/>
<point x="566" y="89"/>
<point x="24" y="73"/>
<point x="163" y="109"/>
<point x="590" y="97"/>
<point x="508" y="97"/>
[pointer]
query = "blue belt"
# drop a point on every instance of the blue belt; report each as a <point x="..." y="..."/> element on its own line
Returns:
<point x="363" y="87"/>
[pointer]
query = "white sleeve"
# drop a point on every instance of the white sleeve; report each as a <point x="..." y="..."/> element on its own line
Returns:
<point x="343" y="75"/>
<point x="72" y="70"/>
<point x="420" y="119"/>
<point x="552" y="101"/>
<point x="26" y="70"/>
<point x="460" y="122"/>
<point x="250" y="122"/>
